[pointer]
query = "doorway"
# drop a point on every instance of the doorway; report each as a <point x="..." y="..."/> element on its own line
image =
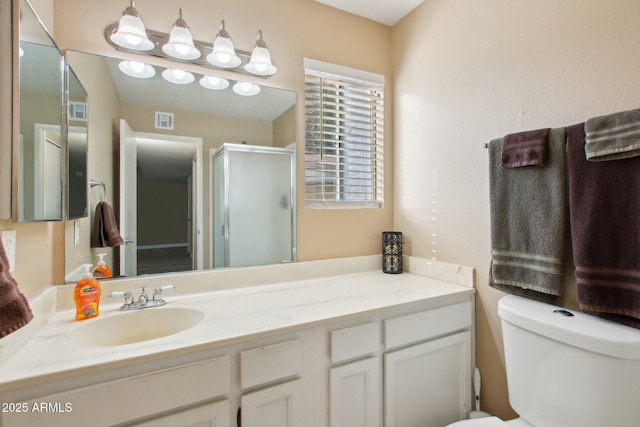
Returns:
<point x="160" y="202"/>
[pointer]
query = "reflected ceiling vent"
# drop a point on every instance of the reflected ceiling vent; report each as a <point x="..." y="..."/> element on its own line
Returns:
<point x="78" y="111"/>
<point x="164" y="120"/>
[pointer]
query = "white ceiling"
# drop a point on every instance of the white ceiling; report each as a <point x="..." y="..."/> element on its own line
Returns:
<point x="387" y="12"/>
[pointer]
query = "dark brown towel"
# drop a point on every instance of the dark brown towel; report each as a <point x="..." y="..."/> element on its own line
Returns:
<point x="604" y="202"/>
<point x="525" y="149"/>
<point x="14" y="306"/>
<point x="105" y="229"/>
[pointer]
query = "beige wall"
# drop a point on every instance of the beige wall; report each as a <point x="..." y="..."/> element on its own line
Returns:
<point x="467" y="71"/>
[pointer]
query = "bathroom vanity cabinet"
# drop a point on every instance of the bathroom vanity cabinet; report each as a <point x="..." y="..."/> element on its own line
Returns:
<point x="400" y="367"/>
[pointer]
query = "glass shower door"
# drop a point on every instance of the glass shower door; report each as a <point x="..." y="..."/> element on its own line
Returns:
<point x="258" y="206"/>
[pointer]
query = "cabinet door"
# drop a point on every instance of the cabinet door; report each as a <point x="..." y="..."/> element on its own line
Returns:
<point x="277" y="406"/>
<point x="210" y="415"/>
<point x="355" y="394"/>
<point x="429" y="385"/>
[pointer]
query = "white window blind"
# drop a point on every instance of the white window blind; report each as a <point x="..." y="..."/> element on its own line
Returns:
<point x="344" y="137"/>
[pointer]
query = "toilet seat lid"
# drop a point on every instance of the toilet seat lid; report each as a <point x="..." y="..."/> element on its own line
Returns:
<point x="480" y="422"/>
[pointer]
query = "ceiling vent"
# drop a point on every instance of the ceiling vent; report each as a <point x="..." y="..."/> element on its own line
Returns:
<point x="164" y="120"/>
<point x="78" y="111"/>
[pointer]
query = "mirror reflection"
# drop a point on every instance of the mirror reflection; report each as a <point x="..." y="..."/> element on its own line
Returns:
<point x="38" y="158"/>
<point x="151" y="144"/>
<point x="77" y="146"/>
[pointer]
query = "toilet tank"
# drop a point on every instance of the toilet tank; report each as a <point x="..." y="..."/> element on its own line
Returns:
<point x="566" y="368"/>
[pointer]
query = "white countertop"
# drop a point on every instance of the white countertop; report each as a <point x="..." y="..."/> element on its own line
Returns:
<point x="230" y="316"/>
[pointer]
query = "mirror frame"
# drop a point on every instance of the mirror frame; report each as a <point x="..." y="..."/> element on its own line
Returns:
<point x="7" y="67"/>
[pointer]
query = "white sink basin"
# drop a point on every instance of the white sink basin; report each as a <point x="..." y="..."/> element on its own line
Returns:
<point x="135" y="326"/>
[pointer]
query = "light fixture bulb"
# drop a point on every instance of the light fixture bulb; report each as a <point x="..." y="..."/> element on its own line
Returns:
<point x="136" y="66"/>
<point x="178" y="76"/>
<point x="223" y="54"/>
<point x="246" y="89"/>
<point x="260" y="63"/>
<point x="214" y="83"/>
<point x="180" y="45"/>
<point x="137" y="69"/>
<point x="131" y="33"/>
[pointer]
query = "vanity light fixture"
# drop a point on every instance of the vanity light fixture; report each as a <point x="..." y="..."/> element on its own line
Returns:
<point x="130" y="32"/>
<point x="137" y="69"/>
<point x="214" y="83"/>
<point x="246" y="89"/>
<point x="223" y="54"/>
<point x="130" y="35"/>
<point x="180" y="44"/>
<point x="260" y="63"/>
<point x="177" y="76"/>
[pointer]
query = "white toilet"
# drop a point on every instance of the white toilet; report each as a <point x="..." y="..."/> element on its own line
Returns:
<point x="566" y="369"/>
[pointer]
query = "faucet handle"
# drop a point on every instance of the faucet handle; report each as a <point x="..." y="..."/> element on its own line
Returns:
<point x="128" y="297"/>
<point x="157" y="292"/>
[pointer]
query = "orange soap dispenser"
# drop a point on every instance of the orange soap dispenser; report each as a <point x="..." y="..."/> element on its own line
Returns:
<point x="102" y="270"/>
<point x="87" y="295"/>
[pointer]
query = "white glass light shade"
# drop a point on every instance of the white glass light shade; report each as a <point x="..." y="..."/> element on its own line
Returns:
<point x="180" y="44"/>
<point x="214" y="83"/>
<point x="223" y="54"/>
<point x="246" y="89"/>
<point x="260" y="63"/>
<point x="137" y="69"/>
<point x="131" y="33"/>
<point x="179" y="77"/>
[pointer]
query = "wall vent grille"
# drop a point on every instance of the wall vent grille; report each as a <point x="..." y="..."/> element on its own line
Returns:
<point x="78" y="111"/>
<point x="164" y="120"/>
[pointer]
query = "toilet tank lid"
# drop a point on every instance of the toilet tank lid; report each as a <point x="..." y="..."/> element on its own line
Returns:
<point x="571" y="327"/>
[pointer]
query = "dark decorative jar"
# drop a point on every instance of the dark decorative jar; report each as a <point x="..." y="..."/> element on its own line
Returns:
<point x="392" y="252"/>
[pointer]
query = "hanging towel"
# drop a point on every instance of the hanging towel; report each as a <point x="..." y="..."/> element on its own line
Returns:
<point x="528" y="222"/>
<point x="604" y="201"/>
<point x="14" y="306"/>
<point x="525" y="149"/>
<point x="614" y="136"/>
<point x="105" y="229"/>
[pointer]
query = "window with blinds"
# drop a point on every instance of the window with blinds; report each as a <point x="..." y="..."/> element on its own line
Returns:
<point x="344" y="137"/>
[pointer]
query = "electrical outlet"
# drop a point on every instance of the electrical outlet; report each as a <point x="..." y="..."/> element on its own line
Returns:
<point x="9" y="241"/>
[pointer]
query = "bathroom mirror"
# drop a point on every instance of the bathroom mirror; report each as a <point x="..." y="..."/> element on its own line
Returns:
<point x="38" y="140"/>
<point x="157" y="139"/>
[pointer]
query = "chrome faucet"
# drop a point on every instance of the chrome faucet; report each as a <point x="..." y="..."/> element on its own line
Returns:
<point x="143" y="300"/>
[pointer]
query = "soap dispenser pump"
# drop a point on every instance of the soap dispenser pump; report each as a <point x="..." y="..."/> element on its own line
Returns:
<point x="87" y="295"/>
<point x="102" y="270"/>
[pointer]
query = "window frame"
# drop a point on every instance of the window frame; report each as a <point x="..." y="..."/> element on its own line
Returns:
<point x="344" y="123"/>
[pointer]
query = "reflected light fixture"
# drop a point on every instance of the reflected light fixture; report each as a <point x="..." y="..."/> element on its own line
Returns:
<point x="260" y="63"/>
<point x="177" y="76"/>
<point x="214" y="83"/>
<point x="137" y="69"/>
<point x="131" y="33"/>
<point x="180" y="45"/>
<point x="246" y="89"/>
<point x="223" y="54"/>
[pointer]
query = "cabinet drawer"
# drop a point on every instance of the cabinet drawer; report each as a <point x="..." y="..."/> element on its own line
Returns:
<point x="132" y="398"/>
<point x="355" y="341"/>
<point x="427" y="324"/>
<point x="212" y="414"/>
<point x="270" y="363"/>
